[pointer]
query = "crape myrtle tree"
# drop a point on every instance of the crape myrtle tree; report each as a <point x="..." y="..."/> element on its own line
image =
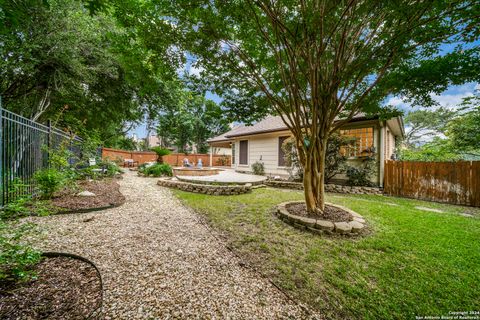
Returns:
<point x="319" y="63"/>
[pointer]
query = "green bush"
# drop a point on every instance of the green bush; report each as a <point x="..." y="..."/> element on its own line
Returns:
<point x="361" y="176"/>
<point x="158" y="170"/>
<point x="111" y="168"/>
<point x="258" y="168"/>
<point x="16" y="258"/>
<point x="49" y="181"/>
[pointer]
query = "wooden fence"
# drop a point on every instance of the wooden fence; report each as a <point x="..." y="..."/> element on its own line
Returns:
<point x="174" y="159"/>
<point x="452" y="182"/>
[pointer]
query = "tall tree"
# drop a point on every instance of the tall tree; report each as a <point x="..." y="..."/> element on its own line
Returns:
<point x="423" y="124"/>
<point x="319" y="63"/>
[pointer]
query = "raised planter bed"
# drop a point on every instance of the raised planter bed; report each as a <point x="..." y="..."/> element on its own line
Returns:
<point x="186" y="171"/>
<point x="107" y="195"/>
<point x="352" y="224"/>
<point x="67" y="287"/>
<point x="336" y="188"/>
<point x="217" y="190"/>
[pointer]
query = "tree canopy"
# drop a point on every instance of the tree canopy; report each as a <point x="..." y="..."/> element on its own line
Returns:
<point x="319" y="63"/>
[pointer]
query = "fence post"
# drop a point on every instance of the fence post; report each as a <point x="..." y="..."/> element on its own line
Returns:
<point x="49" y="141"/>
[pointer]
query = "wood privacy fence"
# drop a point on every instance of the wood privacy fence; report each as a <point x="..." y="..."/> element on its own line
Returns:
<point x="452" y="182"/>
<point x="174" y="159"/>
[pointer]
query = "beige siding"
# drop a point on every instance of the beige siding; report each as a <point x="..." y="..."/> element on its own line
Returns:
<point x="262" y="148"/>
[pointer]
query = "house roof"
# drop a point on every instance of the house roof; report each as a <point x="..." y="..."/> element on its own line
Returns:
<point x="268" y="124"/>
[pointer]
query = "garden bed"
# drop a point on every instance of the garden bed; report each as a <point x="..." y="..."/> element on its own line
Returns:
<point x="107" y="194"/>
<point x="335" y="218"/>
<point x="65" y="288"/>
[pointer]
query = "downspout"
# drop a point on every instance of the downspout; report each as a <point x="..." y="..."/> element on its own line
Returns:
<point x="381" y="165"/>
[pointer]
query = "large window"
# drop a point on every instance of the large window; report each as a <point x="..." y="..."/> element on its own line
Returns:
<point x="281" y="153"/>
<point x="243" y="152"/>
<point x="363" y="144"/>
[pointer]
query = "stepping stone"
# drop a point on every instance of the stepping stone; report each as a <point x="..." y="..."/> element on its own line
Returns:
<point x="467" y="215"/>
<point x="429" y="209"/>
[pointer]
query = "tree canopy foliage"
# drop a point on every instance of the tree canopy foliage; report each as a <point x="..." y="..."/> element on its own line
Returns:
<point x="318" y="63"/>
<point x="87" y="72"/>
<point x="444" y="134"/>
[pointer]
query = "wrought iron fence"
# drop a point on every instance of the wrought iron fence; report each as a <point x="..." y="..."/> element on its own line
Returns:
<point x="24" y="149"/>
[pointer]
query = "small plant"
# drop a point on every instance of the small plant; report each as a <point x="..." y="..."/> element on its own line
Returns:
<point x="258" y="168"/>
<point x="160" y="153"/>
<point x="49" y="181"/>
<point x="16" y="258"/>
<point x="158" y="170"/>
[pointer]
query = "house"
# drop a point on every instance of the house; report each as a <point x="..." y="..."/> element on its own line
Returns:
<point x="262" y="142"/>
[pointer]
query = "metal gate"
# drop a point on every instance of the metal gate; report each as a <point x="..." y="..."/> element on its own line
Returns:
<point x="24" y="149"/>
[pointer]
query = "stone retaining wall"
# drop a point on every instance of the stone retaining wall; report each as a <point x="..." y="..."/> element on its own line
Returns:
<point x="322" y="226"/>
<point x="328" y="187"/>
<point x="205" y="189"/>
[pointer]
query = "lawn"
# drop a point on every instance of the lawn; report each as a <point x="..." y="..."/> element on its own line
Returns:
<point x="412" y="263"/>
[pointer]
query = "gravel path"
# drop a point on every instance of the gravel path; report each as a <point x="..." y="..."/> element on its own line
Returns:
<point x="159" y="262"/>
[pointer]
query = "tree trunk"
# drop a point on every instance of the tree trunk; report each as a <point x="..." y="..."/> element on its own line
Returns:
<point x="314" y="178"/>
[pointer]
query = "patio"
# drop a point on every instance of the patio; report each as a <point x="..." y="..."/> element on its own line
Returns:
<point x="226" y="176"/>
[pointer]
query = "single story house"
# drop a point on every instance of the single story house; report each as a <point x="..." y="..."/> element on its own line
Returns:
<point x="262" y="142"/>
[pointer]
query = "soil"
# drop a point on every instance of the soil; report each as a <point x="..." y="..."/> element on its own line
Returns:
<point x="107" y="193"/>
<point x="331" y="213"/>
<point x="65" y="288"/>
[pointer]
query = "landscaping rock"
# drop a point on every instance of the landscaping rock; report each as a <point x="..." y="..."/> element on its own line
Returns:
<point x="86" y="194"/>
<point x="324" y="225"/>
<point x="360" y="220"/>
<point x="343" y="227"/>
<point x="356" y="226"/>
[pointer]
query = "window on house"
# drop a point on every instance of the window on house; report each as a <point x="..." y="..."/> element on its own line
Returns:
<point x="243" y="152"/>
<point x="363" y="145"/>
<point x="233" y="152"/>
<point x="281" y="153"/>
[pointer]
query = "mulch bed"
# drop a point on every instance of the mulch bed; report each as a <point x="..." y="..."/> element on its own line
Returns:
<point x="331" y="213"/>
<point x="65" y="288"/>
<point x="107" y="194"/>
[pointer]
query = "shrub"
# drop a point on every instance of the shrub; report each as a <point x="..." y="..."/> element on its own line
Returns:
<point x="111" y="168"/>
<point x="160" y="153"/>
<point x="49" y="181"/>
<point x="360" y="176"/>
<point x="258" y="168"/>
<point x="158" y="170"/>
<point x="16" y="258"/>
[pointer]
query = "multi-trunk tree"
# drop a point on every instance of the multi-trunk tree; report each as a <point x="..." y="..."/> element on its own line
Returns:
<point x="318" y="63"/>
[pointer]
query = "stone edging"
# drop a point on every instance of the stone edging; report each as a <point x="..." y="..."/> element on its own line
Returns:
<point x="319" y="226"/>
<point x="217" y="183"/>
<point x="215" y="190"/>
<point x="328" y="187"/>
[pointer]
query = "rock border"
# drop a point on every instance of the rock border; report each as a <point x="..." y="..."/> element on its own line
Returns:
<point x="319" y="226"/>
<point x="219" y="183"/>
<point x="215" y="190"/>
<point x="336" y="188"/>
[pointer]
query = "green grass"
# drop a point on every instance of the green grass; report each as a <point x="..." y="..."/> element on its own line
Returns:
<point x="412" y="263"/>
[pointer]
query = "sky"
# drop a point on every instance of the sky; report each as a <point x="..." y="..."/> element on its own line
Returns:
<point x="449" y="98"/>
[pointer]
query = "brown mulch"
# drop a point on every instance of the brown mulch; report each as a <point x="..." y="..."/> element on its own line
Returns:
<point x="65" y="289"/>
<point x="107" y="193"/>
<point x="331" y="213"/>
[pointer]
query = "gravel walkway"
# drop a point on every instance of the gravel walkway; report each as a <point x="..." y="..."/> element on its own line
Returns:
<point x="159" y="262"/>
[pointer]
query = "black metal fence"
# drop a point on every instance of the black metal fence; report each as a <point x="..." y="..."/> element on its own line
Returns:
<point x="24" y="149"/>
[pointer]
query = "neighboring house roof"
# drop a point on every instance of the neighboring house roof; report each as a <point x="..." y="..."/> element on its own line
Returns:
<point x="268" y="124"/>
